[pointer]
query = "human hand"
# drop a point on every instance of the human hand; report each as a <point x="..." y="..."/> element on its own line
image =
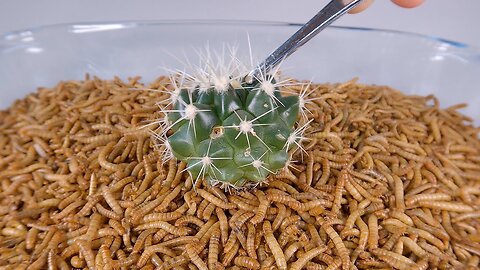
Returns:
<point x="403" y="3"/>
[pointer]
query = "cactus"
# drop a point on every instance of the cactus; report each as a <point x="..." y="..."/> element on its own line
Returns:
<point x="231" y="132"/>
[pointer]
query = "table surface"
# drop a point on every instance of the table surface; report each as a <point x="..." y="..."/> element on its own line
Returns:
<point x="456" y="20"/>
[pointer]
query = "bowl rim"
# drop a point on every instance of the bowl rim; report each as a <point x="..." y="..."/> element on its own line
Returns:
<point x="10" y="36"/>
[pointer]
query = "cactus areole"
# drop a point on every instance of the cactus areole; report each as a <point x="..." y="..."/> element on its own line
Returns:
<point x="233" y="134"/>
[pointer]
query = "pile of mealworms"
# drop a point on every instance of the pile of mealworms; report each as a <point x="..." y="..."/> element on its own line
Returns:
<point x="385" y="181"/>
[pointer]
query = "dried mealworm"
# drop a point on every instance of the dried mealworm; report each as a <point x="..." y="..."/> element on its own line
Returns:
<point x="247" y="262"/>
<point x="111" y="201"/>
<point x="93" y="227"/>
<point x="222" y="218"/>
<point x="262" y="208"/>
<point x="107" y="213"/>
<point x="394" y="259"/>
<point x="67" y="210"/>
<point x="274" y="246"/>
<point x="163" y="225"/>
<point x="448" y="206"/>
<point x="213" y="249"/>
<point x="342" y="178"/>
<point x="149" y="251"/>
<point x="300" y="263"/>
<point x="215" y="200"/>
<point x="86" y="252"/>
<point x="250" y="245"/>
<point x="373" y="237"/>
<point x="339" y="245"/>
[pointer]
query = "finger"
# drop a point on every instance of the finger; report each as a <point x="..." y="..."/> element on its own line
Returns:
<point x="361" y="7"/>
<point x="408" y="3"/>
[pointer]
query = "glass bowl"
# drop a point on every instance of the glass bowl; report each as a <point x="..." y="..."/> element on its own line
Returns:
<point x="412" y="63"/>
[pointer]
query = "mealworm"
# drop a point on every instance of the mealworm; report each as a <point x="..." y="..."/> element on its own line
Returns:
<point x="215" y="200"/>
<point x="104" y="252"/>
<point x="399" y="195"/>
<point x="140" y="241"/>
<point x="427" y="236"/>
<point x="163" y="225"/>
<point x="247" y="262"/>
<point x="402" y="217"/>
<point x="413" y="246"/>
<point x="140" y="212"/>
<point x="353" y="191"/>
<point x="282" y="214"/>
<point x="87" y="207"/>
<point x="342" y="178"/>
<point x="411" y="200"/>
<point x="448" y="206"/>
<point x="93" y="227"/>
<point x="208" y="211"/>
<point x="373" y="237"/>
<point x="68" y="200"/>
<point x="274" y="246"/>
<point x="111" y="201"/>
<point x="439" y="174"/>
<point x="441" y="234"/>
<point x="339" y="245"/>
<point x="242" y="204"/>
<point x="201" y="208"/>
<point x="67" y="210"/>
<point x="31" y="238"/>
<point x="468" y="215"/>
<point x="238" y="222"/>
<point x="40" y="262"/>
<point x="76" y="262"/>
<point x="168" y="216"/>
<point x="230" y="254"/>
<point x="362" y="241"/>
<point x="300" y="263"/>
<point x="107" y="213"/>
<point x="213" y="249"/>
<point x="222" y="218"/>
<point x="149" y="251"/>
<point x="362" y="191"/>
<point x="86" y="252"/>
<point x="174" y="193"/>
<point x="394" y="259"/>
<point x="115" y="186"/>
<point x="189" y="219"/>
<point x="262" y="208"/>
<point x="250" y="242"/>
<point x="206" y="228"/>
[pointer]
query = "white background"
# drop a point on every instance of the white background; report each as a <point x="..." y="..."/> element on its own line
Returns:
<point x="457" y="20"/>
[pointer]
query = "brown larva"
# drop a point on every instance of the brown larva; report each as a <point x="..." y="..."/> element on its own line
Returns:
<point x="107" y="213"/>
<point x="222" y="218"/>
<point x="448" y="206"/>
<point x="274" y="246"/>
<point x="162" y="225"/>
<point x="147" y="253"/>
<point x="213" y="249"/>
<point x="247" y="262"/>
<point x="215" y="200"/>
<point x="300" y="263"/>
<point x="86" y="252"/>
<point x="68" y="209"/>
<point x="394" y="259"/>
<point x="373" y="237"/>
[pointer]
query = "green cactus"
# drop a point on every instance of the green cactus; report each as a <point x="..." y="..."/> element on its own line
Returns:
<point x="233" y="135"/>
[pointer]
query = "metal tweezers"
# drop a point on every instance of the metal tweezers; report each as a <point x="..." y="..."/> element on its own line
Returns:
<point x="331" y="12"/>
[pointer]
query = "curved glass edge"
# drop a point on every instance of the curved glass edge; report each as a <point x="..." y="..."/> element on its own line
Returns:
<point x="82" y="27"/>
